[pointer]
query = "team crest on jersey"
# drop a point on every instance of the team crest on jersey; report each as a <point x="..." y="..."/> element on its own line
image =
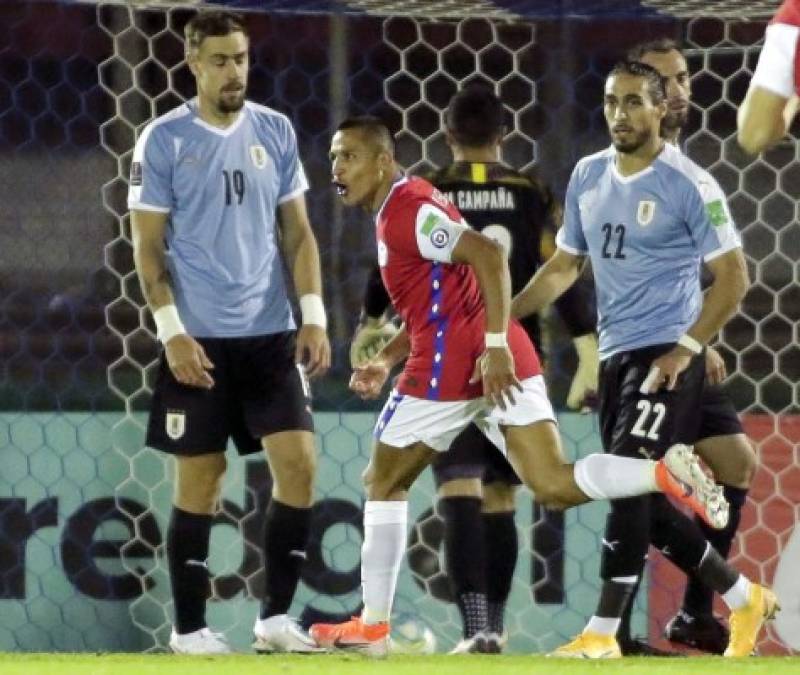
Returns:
<point x="175" y="425"/>
<point x="647" y="209"/>
<point x="258" y="153"/>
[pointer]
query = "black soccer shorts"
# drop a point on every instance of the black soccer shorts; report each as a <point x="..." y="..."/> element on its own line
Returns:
<point x="258" y="391"/>
<point x="718" y="416"/>
<point x="646" y="425"/>
<point x="473" y="455"/>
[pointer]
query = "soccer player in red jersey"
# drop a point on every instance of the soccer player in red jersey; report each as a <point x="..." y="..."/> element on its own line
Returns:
<point x="771" y="101"/>
<point x="450" y="285"/>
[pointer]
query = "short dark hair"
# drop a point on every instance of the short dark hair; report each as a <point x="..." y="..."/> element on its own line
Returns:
<point x="211" y="23"/>
<point x="474" y="116"/>
<point x="655" y="83"/>
<point x="372" y="127"/>
<point x="662" y="45"/>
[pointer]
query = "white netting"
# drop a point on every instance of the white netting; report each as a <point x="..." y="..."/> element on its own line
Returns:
<point x="77" y="345"/>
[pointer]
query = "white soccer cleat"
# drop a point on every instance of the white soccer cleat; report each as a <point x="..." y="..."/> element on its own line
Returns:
<point x="282" y="634"/>
<point x="474" y="645"/>
<point x="199" y="642"/>
<point x="686" y="481"/>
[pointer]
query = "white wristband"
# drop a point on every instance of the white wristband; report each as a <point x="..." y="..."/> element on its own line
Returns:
<point x="690" y="343"/>
<point x="496" y="340"/>
<point x="168" y="323"/>
<point x="313" y="311"/>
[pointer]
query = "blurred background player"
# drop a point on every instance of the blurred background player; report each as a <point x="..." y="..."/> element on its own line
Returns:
<point x="646" y="215"/>
<point x="476" y="484"/>
<point x="465" y="362"/>
<point x="722" y="443"/>
<point x="771" y="101"/>
<point x="206" y="181"/>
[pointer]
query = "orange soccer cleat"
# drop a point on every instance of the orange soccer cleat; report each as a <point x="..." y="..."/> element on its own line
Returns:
<point x="679" y="475"/>
<point x="354" y="635"/>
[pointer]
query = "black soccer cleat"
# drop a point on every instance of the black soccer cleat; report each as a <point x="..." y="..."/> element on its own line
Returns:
<point x="704" y="632"/>
<point x="638" y="646"/>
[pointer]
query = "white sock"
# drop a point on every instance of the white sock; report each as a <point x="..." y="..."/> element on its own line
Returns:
<point x="601" y="476"/>
<point x="605" y="625"/>
<point x="736" y="596"/>
<point x="385" y="525"/>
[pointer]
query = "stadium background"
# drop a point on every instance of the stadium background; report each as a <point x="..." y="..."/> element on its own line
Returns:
<point x="83" y="505"/>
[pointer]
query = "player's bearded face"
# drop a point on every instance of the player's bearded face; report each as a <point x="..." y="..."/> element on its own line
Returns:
<point x="633" y="120"/>
<point x="221" y="71"/>
<point x="675" y="71"/>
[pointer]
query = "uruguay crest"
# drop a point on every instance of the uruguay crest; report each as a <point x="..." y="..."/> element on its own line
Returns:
<point x="647" y="209"/>
<point x="175" y="424"/>
<point x="258" y="153"/>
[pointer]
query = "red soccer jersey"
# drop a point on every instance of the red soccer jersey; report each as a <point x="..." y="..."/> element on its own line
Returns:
<point x="789" y="13"/>
<point x="440" y="302"/>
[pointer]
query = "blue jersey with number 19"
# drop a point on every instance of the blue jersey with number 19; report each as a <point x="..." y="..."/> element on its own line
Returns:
<point x="646" y="235"/>
<point x="221" y="189"/>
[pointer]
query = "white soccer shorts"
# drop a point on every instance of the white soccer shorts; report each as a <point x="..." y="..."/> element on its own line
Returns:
<point x="406" y="420"/>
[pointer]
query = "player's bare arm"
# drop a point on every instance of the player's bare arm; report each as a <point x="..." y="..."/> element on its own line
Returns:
<point x="488" y="260"/>
<point x="763" y="119"/>
<point x="186" y="358"/>
<point x="302" y="255"/>
<point x="368" y="379"/>
<point x="721" y="302"/>
<point x="551" y="280"/>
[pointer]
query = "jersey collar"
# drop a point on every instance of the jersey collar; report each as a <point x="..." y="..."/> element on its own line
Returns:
<point x="400" y="181"/>
<point x="227" y="131"/>
<point x="634" y="176"/>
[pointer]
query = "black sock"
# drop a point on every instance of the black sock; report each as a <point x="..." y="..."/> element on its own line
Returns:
<point x="285" y="537"/>
<point x="613" y="598"/>
<point x="500" y="534"/>
<point x="716" y="573"/>
<point x="465" y="558"/>
<point x="624" y="632"/>
<point x="187" y="554"/>
<point x="699" y="599"/>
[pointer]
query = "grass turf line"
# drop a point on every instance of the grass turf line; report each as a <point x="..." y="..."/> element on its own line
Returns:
<point x="336" y="664"/>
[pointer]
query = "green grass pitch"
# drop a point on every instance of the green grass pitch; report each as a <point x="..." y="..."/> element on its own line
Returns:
<point x="161" y="664"/>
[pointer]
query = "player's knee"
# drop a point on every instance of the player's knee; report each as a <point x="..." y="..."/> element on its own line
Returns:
<point x="201" y="494"/>
<point x="550" y="496"/>
<point x="384" y="486"/>
<point x="743" y="463"/>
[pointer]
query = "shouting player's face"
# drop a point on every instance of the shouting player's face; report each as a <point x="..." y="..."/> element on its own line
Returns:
<point x="220" y="67"/>
<point x="359" y="168"/>
<point x="673" y="68"/>
<point x="632" y="117"/>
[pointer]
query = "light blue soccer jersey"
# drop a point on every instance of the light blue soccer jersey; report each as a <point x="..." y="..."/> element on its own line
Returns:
<point x="221" y="188"/>
<point x="646" y="235"/>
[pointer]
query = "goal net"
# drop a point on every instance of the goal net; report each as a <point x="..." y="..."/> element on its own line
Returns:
<point x="84" y="505"/>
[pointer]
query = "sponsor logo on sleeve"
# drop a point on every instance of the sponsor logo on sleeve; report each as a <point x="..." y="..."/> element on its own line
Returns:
<point x="432" y="228"/>
<point x="716" y="213"/>
<point x="136" y="173"/>
<point x="440" y="237"/>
